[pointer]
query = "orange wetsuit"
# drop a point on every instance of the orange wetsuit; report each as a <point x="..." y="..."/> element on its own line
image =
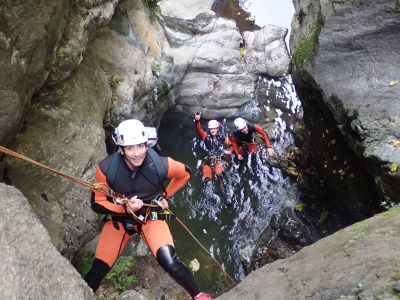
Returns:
<point x="214" y="146"/>
<point x="118" y="228"/>
<point x="241" y="141"/>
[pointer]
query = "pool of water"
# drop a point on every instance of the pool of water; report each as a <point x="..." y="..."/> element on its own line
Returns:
<point x="260" y="190"/>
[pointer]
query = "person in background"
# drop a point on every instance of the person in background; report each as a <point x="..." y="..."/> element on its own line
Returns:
<point x="214" y="146"/>
<point x="139" y="206"/>
<point x="242" y="138"/>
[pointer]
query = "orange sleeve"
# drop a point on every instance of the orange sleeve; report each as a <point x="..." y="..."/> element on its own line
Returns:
<point x="101" y="198"/>
<point x="234" y="144"/>
<point x="264" y="134"/>
<point x="177" y="171"/>
<point x="200" y="131"/>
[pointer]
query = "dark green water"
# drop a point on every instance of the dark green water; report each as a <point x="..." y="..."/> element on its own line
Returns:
<point x="260" y="191"/>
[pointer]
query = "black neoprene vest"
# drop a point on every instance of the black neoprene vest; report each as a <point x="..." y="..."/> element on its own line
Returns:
<point x="142" y="182"/>
<point x="214" y="147"/>
<point x="245" y="138"/>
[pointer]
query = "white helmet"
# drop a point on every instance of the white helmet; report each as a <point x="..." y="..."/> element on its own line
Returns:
<point x="239" y="123"/>
<point x="151" y="133"/>
<point x="130" y="132"/>
<point x="212" y="124"/>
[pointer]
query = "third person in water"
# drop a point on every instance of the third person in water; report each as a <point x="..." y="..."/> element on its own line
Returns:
<point x="214" y="146"/>
<point x="242" y="138"/>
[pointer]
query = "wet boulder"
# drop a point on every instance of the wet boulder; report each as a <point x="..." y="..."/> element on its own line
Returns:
<point x="360" y="261"/>
<point x="266" y="51"/>
<point x="344" y="69"/>
<point x="285" y="235"/>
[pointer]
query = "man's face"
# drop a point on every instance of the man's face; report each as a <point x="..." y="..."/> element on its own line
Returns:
<point x="213" y="131"/>
<point x="135" y="155"/>
<point x="245" y="130"/>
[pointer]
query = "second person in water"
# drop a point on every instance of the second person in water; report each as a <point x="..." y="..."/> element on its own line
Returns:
<point x="214" y="146"/>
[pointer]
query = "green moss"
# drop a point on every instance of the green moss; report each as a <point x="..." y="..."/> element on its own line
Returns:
<point x="392" y="214"/>
<point x="154" y="8"/>
<point x="114" y="82"/>
<point x="119" y="276"/>
<point x="164" y="90"/>
<point x="395" y="276"/>
<point x="155" y="68"/>
<point x="351" y="242"/>
<point x="307" y="45"/>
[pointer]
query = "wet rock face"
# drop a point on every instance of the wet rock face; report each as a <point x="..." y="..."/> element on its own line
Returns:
<point x="41" y="42"/>
<point x="344" y="67"/>
<point x="285" y="235"/>
<point x="359" y="261"/>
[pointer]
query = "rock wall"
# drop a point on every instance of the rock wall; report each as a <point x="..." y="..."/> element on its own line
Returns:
<point x="31" y="267"/>
<point x="344" y="60"/>
<point x="359" y="262"/>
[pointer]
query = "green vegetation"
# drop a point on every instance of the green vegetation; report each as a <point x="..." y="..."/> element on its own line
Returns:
<point x="114" y="82"/>
<point x="352" y="241"/>
<point x="119" y="276"/>
<point x="307" y="45"/>
<point x="395" y="276"/>
<point x="155" y="68"/>
<point x="323" y="216"/>
<point x="154" y="9"/>
<point x="164" y="90"/>
<point x="387" y="292"/>
<point x="300" y="206"/>
<point x="392" y="212"/>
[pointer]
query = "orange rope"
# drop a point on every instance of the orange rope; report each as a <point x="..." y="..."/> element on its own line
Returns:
<point x="197" y="241"/>
<point x="101" y="187"/>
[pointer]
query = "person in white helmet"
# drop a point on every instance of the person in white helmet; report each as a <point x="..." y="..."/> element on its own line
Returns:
<point x="242" y="138"/>
<point x="214" y="146"/>
<point x="134" y="172"/>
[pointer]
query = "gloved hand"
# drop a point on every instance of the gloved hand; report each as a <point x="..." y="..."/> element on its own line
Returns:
<point x="163" y="201"/>
<point x="160" y="198"/>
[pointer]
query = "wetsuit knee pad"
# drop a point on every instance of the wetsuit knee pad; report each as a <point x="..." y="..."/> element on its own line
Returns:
<point x="96" y="274"/>
<point x="169" y="261"/>
<point x="167" y="258"/>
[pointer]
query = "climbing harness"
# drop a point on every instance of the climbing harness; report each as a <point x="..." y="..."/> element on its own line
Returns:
<point x="256" y="140"/>
<point x="105" y="189"/>
<point x="153" y="211"/>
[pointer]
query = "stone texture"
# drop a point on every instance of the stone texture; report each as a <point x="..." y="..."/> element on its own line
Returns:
<point x="32" y="268"/>
<point x="343" y="82"/>
<point x="41" y="41"/>
<point x="359" y="262"/>
<point x="64" y="131"/>
<point x="266" y="51"/>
